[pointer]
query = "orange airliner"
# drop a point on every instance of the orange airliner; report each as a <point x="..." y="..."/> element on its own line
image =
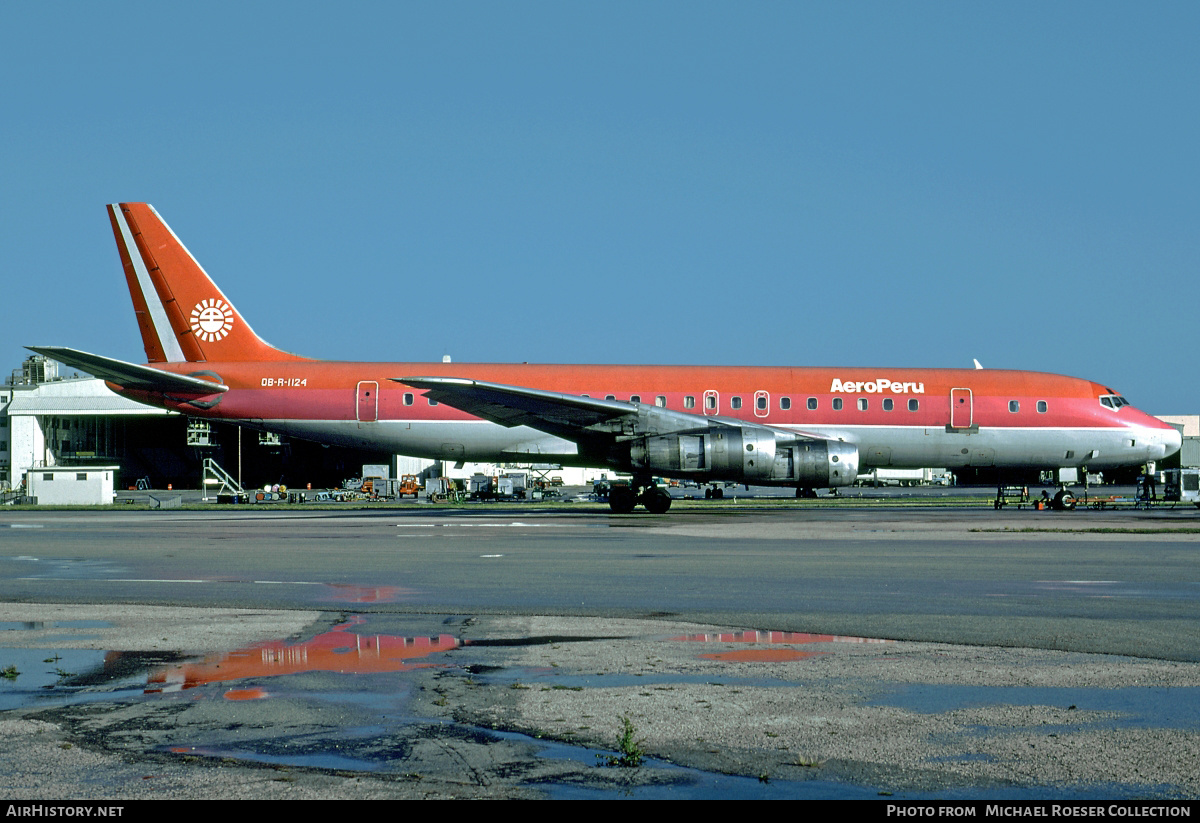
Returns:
<point x="799" y="427"/>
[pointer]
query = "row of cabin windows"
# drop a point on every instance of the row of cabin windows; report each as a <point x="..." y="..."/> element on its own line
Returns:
<point x="785" y="403"/>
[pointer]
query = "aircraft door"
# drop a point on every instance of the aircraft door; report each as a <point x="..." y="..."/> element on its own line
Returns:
<point x="962" y="411"/>
<point x="712" y="403"/>
<point x="368" y="401"/>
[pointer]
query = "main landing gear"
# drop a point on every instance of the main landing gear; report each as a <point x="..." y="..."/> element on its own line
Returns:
<point x="624" y="499"/>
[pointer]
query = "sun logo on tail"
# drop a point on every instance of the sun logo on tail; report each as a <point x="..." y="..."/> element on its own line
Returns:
<point x="212" y="319"/>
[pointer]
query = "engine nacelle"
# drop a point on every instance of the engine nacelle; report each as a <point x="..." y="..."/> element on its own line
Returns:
<point x="746" y="454"/>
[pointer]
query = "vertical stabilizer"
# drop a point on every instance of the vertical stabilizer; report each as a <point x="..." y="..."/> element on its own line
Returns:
<point x="182" y="315"/>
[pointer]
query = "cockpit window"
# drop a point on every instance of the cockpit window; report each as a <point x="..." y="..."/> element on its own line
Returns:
<point x="1113" y="401"/>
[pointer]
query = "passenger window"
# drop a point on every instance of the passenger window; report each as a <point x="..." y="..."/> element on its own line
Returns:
<point x="812" y="404"/>
<point x="1014" y="406"/>
<point x="837" y="404"/>
<point x="689" y="401"/>
<point x="710" y="401"/>
<point x="635" y="398"/>
<point x="785" y="403"/>
<point x="660" y="401"/>
<point x="434" y="402"/>
<point x="735" y="402"/>
<point x="1041" y="406"/>
<point x="761" y="402"/>
<point x="610" y="397"/>
<point x="913" y="404"/>
<point x="408" y="398"/>
<point x="862" y="404"/>
<point x="888" y="404"/>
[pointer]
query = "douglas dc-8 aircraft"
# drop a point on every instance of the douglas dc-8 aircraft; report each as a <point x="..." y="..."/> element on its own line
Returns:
<point x="798" y="427"/>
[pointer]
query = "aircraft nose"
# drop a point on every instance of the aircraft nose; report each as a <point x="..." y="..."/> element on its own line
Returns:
<point x="1171" y="441"/>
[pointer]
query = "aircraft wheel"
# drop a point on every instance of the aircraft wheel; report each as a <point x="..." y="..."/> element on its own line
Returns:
<point x="1064" y="501"/>
<point x="656" y="501"/>
<point x="718" y="494"/>
<point x="621" y="500"/>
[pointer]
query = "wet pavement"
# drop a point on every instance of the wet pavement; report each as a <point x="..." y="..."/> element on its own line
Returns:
<point x="294" y="704"/>
<point x="753" y="653"/>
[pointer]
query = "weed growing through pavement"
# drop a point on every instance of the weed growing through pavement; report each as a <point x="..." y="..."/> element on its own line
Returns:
<point x="631" y="751"/>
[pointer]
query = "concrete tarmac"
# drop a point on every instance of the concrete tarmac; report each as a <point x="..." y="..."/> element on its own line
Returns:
<point x="1023" y="649"/>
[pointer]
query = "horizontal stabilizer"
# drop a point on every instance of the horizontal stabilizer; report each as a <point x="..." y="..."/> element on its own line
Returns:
<point x="129" y="375"/>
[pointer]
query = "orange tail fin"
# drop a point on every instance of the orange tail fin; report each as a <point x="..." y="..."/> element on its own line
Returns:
<point x="181" y="313"/>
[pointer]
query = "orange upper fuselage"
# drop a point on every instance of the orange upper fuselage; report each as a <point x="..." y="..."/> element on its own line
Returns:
<point x="782" y="396"/>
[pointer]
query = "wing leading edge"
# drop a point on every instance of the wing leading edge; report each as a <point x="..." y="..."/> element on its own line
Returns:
<point x="565" y="415"/>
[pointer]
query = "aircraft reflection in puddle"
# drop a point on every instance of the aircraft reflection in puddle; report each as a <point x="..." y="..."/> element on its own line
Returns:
<point x="775" y="655"/>
<point x="337" y="650"/>
<point x="346" y="593"/>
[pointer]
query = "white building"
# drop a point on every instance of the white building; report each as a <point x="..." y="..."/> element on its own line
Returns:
<point x="45" y="424"/>
<point x="71" y="485"/>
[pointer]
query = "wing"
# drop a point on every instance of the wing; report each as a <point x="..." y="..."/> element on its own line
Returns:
<point x="130" y="375"/>
<point x="571" y="416"/>
<point x="564" y="415"/>
<point x="649" y="440"/>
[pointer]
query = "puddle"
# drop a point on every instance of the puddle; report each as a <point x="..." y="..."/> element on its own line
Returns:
<point x="769" y="639"/>
<point x="339" y="650"/>
<point x="346" y="593"/>
<point x="1175" y="708"/>
<point x="791" y="638"/>
<point x="344" y="700"/>
<point x="761" y="655"/>
<point x="49" y="677"/>
<point x="41" y="625"/>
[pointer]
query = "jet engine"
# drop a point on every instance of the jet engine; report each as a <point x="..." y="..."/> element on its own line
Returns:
<point x="747" y="454"/>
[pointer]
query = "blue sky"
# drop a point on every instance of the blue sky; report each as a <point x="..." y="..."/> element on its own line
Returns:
<point x="851" y="183"/>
